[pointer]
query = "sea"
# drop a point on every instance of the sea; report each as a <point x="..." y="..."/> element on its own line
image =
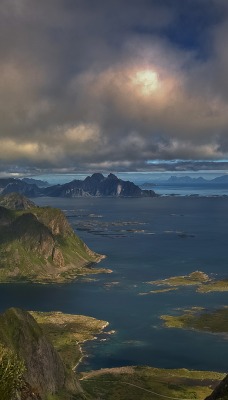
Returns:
<point x="143" y="239"/>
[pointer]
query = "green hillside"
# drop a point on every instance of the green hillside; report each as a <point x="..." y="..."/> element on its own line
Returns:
<point x="37" y="244"/>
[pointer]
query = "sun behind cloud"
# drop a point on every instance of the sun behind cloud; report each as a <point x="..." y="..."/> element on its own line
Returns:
<point x="147" y="81"/>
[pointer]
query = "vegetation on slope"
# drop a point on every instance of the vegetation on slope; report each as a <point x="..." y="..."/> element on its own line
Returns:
<point x="67" y="332"/>
<point x="37" y="244"/>
<point x="146" y="383"/>
<point x="36" y="366"/>
<point x="11" y="374"/>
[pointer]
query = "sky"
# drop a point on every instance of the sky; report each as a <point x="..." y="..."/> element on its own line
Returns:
<point x="113" y="85"/>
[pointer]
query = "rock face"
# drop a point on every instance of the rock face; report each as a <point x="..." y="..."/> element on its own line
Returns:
<point x="221" y="391"/>
<point x="45" y="372"/>
<point x="99" y="186"/>
<point x="38" y="244"/>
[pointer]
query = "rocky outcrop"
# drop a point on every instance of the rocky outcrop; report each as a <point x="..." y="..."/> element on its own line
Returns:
<point x="45" y="372"/>
<point x="221" y="391"/>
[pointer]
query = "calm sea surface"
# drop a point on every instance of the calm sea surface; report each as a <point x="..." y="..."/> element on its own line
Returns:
<point x="143" y="239"/>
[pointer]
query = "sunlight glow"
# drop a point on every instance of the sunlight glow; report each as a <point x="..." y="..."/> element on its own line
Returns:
<point x="147" y="81"/>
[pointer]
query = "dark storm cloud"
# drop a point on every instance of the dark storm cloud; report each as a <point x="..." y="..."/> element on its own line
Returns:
<point x="112" y="84"/>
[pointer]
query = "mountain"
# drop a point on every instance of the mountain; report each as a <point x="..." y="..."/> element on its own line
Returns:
<point x="96" y="185"/>
<point x="30" y="363"/>
<point x="99" y="186"/>
<point x="186" y="180"/>
<point x="221" y="391"/>
<point x="18" y="186"/>
<point x="38" y="244"/>
<point x="220" y="179"/>
<point x="16" y="201"/>
<point x="6" y="181"/>
<point x="36" y="182"/>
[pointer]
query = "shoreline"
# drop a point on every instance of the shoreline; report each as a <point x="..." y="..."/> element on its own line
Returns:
<point x="80" y="345"/>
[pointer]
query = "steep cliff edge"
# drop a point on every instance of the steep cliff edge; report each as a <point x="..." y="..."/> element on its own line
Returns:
<point x="220" y="392"/>
<point x="44" y="372"/>
<point x="38" y="244"/>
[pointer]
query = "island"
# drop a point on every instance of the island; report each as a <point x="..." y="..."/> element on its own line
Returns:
<point x="37" y="244"/>
<point x="198" y="279"/>
<point x="198" y="318"/>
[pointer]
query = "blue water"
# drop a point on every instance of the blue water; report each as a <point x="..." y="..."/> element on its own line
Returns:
<point x="187" y="190"/>
<point x="143" y="241"/>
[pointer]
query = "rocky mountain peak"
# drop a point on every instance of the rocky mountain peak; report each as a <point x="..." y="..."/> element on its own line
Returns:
<point x="97" y="177"/>
<point x="113" y="177"/>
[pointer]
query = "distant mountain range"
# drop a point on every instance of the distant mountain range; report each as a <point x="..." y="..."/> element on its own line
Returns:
<point x="36" y="182"/>
<point x="99" y="186"/>
<point x="93" y="186"/>
<point x="187" y="180"/>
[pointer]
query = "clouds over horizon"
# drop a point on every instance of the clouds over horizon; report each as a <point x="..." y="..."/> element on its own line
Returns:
<point x="112" y="84"/>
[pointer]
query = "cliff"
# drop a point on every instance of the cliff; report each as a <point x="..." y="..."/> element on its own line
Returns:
<point x="220" y="392"/>
<point x="42" y="371"/>
<point x="38" y="244"/>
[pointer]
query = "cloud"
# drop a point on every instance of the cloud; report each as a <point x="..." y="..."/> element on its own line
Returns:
<point x="112" y="84"/>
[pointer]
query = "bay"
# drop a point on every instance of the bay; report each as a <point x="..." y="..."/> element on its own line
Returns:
<point x="143" y="239"/>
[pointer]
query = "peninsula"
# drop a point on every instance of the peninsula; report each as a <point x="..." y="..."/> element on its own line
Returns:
<point x="37" y="244"/>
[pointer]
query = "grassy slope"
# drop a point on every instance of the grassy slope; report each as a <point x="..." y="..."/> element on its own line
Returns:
<point x="128" y="383"/>
<point x="22" y="257"/>
<point x="121" y="383"/>
<point x="67" y="332"/>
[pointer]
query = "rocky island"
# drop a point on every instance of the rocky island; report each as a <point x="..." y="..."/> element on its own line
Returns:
<point x="37" y="244"/>
<point x="198" y="279"/>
